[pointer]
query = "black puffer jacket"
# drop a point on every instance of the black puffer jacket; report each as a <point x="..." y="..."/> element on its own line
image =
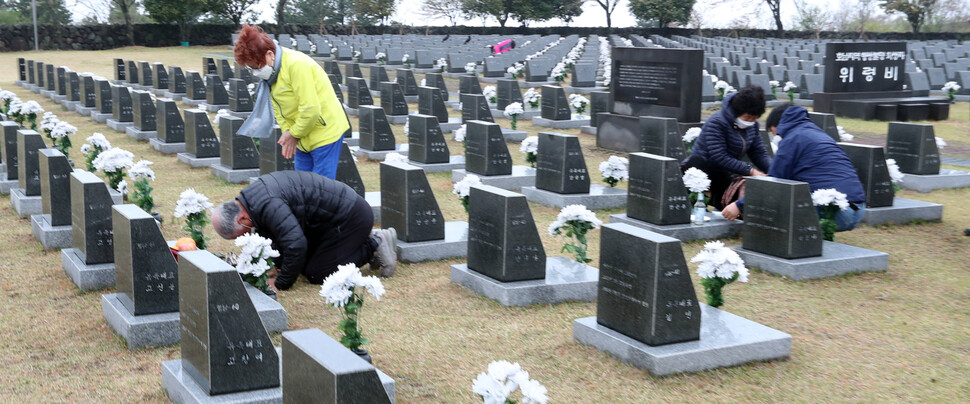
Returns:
<point x="296" y="209"/>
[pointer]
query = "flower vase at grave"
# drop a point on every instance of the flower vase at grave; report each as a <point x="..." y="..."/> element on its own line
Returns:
<point x="699" y="213"/>
<point x="362" y="353"/>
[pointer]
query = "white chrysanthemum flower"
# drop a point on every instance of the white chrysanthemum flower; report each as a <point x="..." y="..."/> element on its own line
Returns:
<point x="491" y="390"/>
<point x="460" y="133"/>
<point x="339" y="286"/>
<point x="98" y="141"/>
<point x="615" y="167"/>
<point x="829" y="196"/>
<point x="843" y="135"/>
<point x="48" y="122"/>
<point x="489" y="92"/>
<point x="405" y="58"/>
<point x="395" y="157"/>
<point x="721" y="85"/>
<point x="530" y="145"/>
<point x="894" y="172"/>
<point x="15" y="105"/>
<point x="62" y="129"/>
<point x="123" y="187"/>
<point x="578" y="101"/>
<point x="514" y="108"/>
<point x="424" y="82"/>
<point x="463" y="188"/>
<point x="85" y="148"/>
<point x="441" y="64"/>
<point x="470" y="67"/>
<point x="696" y="180"/>
<point x="191" y="202"/>
<point x="716" y="260"/>
<point x="951" y="86"/>
<point x="140" y="170"/>
<point x="774" y="83"/>
<point x="714" y="79"/>
<point x="574" y="212"/>
<point x="255" y="253"/>
<point x="31" y="107"/>
<point x="789" y="86"/>
<point x="380" y="55"/>
<point x="940" y="143"/>
<point x="691" y="135"/>
<point x="7" y="95"/>
<point x="502" y="379"/>
<point x="219" y="115"/>
<point x="531" y="96"/>
<point x="113" y="160"/>
<point x="533" y="392"/>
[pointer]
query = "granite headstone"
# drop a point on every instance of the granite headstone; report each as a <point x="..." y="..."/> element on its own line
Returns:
<point x="503" y="242"/>
<point x="408" y="203"/>
<point x="146" y="274"/>
<point x="779" y="218"/>
<point x="560" y="165"/>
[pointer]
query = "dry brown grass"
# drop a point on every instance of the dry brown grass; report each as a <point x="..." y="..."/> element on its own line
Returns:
<point x="899" y="336"/>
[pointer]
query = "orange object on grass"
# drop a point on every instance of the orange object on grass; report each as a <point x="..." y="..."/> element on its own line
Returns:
<point x="185" y="244"/>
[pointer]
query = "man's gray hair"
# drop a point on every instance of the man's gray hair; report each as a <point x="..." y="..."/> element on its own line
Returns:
<point x="228" y="213"/>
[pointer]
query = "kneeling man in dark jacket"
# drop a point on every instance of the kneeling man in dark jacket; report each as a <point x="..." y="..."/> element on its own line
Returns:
<point x="315" y="223"/>
<point x="808" y="154"/>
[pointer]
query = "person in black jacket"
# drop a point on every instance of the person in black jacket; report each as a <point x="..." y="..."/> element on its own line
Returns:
<point x="728" y="136"/>
<point x="315" y="223"/>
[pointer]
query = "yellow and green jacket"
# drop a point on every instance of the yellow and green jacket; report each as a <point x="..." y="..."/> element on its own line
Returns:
<point x="304" y="102"/>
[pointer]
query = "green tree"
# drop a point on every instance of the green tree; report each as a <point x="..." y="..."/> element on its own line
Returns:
<point x="524" y="11"/>
<point x="661" y="12"/>
<point x="179" y="12"/>
<point x="916" y="11"/>
<point x="231" y="10"/>
<point x="810" y="17"/>
<point x="49" y="12"/>
<point x="126" y="7"/>
<point x="376" y="10"/>
<point x="501" y="10"/>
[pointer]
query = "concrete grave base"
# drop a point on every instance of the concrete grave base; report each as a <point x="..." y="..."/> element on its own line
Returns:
<point x="397" y="119"/>
<point x="514" y="135"/>
<point x="173" y="96"/>
<point x="373" y="199"/>
<point x="589" y="130"/>
<point x="536" y="84"/>
<point x="565" y="124"/>
<point x="599" y="197"/>
<point x="69" y="105"/>
<point x="836" y="260"/>
<point x="903" y="211"/>
<point x="51" y="237"/>
<point x="379" y="155"/>
<point x="6" y="185"/>
<point x="717" y="227"/>
<point x="212" y="107"/>
<point x="527" y="115"/>
<point x="566" y="280"/>
<point x="725" y="340"/>
<point x="119" y="126"/>
<point x="192" y="103"/>
<point x="454" y="163"/>
<point x="48" y="93"/>
<point x="455" y="244"/>
<point x="353" y="140"/>
<point x="583" y="90"/>
<point x="196" y="162"/>
<point x="87" y="277"/>
<point x="84" y="111"/>
<point x="167" y="148"/>
<point x="233" y="176"/>
<point x="945" y="179"/>
<point x="136" y="134"/>
<point x="242" y="115"/>
<point x="150" y="330"/>
<point x="99" y="117"/>
<point x="36" y="89"/>
<point x="25" y="205"/>
<point x="57" y="99"/>
<point x="521" y="176"/>
<point x="452" y="125"/>
<point x="159" y="92"/>
<point x="351" y="111"/>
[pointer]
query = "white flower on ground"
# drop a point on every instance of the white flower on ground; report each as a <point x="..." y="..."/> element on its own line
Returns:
<point x="514" y="108"/>
<point x="829" y="196"/>
<point x="574" y="212"/>
<point x="31" y="107"/>
<point x="99" y="141"/>
<point x="405" y="58"/>
<point x="112" y="160"/>
<point x="691" y="134"/>
<point x="502" y="379"/>
<point x="219" y="115"/>
<point x="463" y="188"/>
<point x="531" y="96"/>
<point x="191" y="202"/>
<point x="489" y="92"/>
<point x="696" y="180"/>
<point x="470" y="67"/>
<point x="615" y="167"/>
<point x="49" y="121"/>
<point x="380" y="55"/>
<point x="721" y="85"/>
<point x="894" y="172"/>
<point x="940" y="143"/>
<point x="395" y="158"/>
<point x="254" y="248"/>
<point x="716" y="260"/>
<point x="140" y="170"/>
<point x="951" y="86"/>
<point x="789" y="86"/>
<point x="578" y="101"/>
<point x="338" y="287"/>
<point x="460" y="133"/>
<point x="843" y="135"/>
<point x="62" y="129"/>
<point x="530" y="145"/>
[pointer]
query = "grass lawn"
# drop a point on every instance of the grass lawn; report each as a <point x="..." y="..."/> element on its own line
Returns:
<point x="898" y="336"/>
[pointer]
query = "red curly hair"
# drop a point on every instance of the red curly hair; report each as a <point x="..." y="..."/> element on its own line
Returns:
<point x="251" y="46"/>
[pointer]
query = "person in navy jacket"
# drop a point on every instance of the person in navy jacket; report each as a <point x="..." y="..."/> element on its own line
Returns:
<point x="727" y="136"/>
<point x="808" y="154"/>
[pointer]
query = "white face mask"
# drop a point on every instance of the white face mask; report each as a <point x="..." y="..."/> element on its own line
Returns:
<point x="264" y="72"/>
<point x="743" y="124"/>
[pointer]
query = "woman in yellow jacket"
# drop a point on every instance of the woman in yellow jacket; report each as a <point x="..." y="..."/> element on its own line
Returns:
<point x="302" y="99"/>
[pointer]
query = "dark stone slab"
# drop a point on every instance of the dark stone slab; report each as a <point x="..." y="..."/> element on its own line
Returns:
<point x="870" y="164"/>
<point x="661" y="136"/>
<point x="584" y="74"/>
<point x="508" y="92"/>
<point x="337" y="375"/>
<point x="426" y="142"/>
<point x="209" y="66"/>
<point x="119" y="69"/>
<point x="145" y="69"/>
<point x="779" y="218"/>
<point x="335" y="83"/>
<point x="103" y="99"/>
<point x="200" y="138"/>
<point x="486" y="152"/>
<point x="918" y="83"/>
<point x="503" y="242"/>
<point x="10" y="159"/>
<point x="22" y="69"/>
<point x="271" y="154"/>
<point x="239" y="98"/>
<point x="176" y="80"/>
<point x="468" y="84"/>
<point x="474" y="107"/>
<point x="378" y="75"/>
<point x="332" y="68"/>
<point x="55" y="186"/>
<point x="810" y="85"/>
<point x="160" y="80"/>
<point x="195" y="88"/>
<point x="357" y="93"/>
<point x="236" y="152"/>
<point x="31" y="72"/>
<point x="657" y="82"/>
<point x="561" y="167"/>
<point x="133" y="73"/>
<point x="242" y="73"/>
<point x="392" y="99"/>
<point x="171" y="128"/>
<point x="430" y="102"/>
<point x="849" y="71"/>
<point x="224" y="70"/>
<point x="225" y="347"/>
<point x="656" y="192"/>
<point x="353" y="70"/>
<point x="375" y="130"/>
<point x="146" y="274"/>
<point x="215" y="91"/>
<point x="39" y="67"/>
<point x="913" y="146"/>
<point x="437" y="80"/>
<point x="60" y="85"/>
<point x="73" y="86"/>
<point x="408" y="203"/>
<point x="143" y="110"/>
<point x="89" y="96"/>
<point x="538" y="69"/>
<point x="51" y="77"/>
<point x="347" y="172"/>
<point x="91" y="202"/>
<point x="555" y="106"/>
<point x="826" y="122"/>
<point x="645" y="290"/>
<point x="121" y="108"/>
<point x="599" y="101"/>
<point x="405" y="77"/>
<point x="28" y="161"/>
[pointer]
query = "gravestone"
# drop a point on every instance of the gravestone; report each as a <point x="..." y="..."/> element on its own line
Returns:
<point x="560" y="166"/>
<point x="200" y="138"/>
<point x="215" y="91"/>
<point x="657" y="82"/>
<point x="93" y="239"/>
<point x="224" y="70"/>
<point x="209" y="66"/>
<point x="161" y="77"/>
<point x="89" y="96"/>
<point x="336" y="88"/>
<point x="22" y="69"/>
<point x="103" y="99"/>
<point x="333" y="69"/>
<point x="51" y="78"/>
<point x="28" y="161"/>
<point x="271" y="154"/>
<point x="486" y="152"/>
<point x="870" y="164"/>
<point x="73" y="86"/>
<point x="392" y="99"/>
<point x="826" y="122"/>
<point x="243" y="73"/>
<point x="31" y="72"/>
<point x="133" y="73"/>
<point x="171" y="128"/>
<point x="353" y="70"/>
<point x="311" y="358"/>
<point x="239" y="98"/>
<point x="507" y="93"/>
<point x="146" y="74"/>
<point x="918" y="83"/>
<point x="426" y="142"/>
<point x="375" y="130"/>
<point x="146" y="274"/>
<point x="913" y="146"/>
<point x="378" y="75"/>
<point x="195" y="88"/>
<point x="503" y="242"/>
<point x="431" y="103"/>
<point x="437" y="80"/>
<point x="357" y="93"/>
<point x="468" y="84"/>
<point x="661" y="136"/>
<point x="656" y="191"/>
<point x="121" y="108"/>
<point x="225" y="348"/>
<point x="780" y="219"/>
<point x="405" y="77"/>
<point x="599" y="101"/>
<point x="554" y="104"/>
<point x="537" y="69"/>
<point x="645" y="290"/>
<point x="11" y="174"/>
<point x="176" y="80"/>
<point x="236" y="152"/>
<point x="119" y="68"/>
<point x="60" y="85"/>
<point x="408" y="203"/>
<point x="39" y="67"/>
<point x="55" y="187"/>
<point x="347" y="172"/>
<point x="584" y="75"/>
<point x="474" y="107"/>
<point x="143" y="111"/>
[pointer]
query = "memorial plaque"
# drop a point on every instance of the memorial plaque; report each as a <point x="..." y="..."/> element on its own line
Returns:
<point x="224" y="70"/>
<point x="779" y="218"/>
<point x="31" y="72"/>
<point x="271" y="155"/>
<point x="22" y="69"/>
<point x="437" y="80"/>
<point x="408" y="203"/>
<point x="146" y="274"/>
<point x="200" y="139"/>
<point x="335" y="82"/>
<point x="427" y="143"/>
<point x="344" y="52"/>
<point x="176" y="80"/>
<point x="171" y="128"/>
<point x="358" y="94"/>
<point x="242" y="73"/>
<point x="657" y="82"/>
<point x="9" y="133"/>
<point x="584" y="74"/>
<point x="656" y="191"/>
<point x="913" y="146"/>
<point x="161" y="77"/>
<point x="103" y="99"/>
<point x="89" y="97"/>
<point x="194" y="86"/>
<point x="132" y="70"/>
<point x="347" y="172"/>
<point x="55" y="186"/>
<point x="209" y="66"/>
<point x="431" y="103"/>
<point x="73" y="86"/>
<point x="468" y="84"/>
<point x="864" y="66"/>
<point x="661" y="136"/>
<point x="121" y="108"/>
<point x="507" y="93"/>
<point x="143" y="110"/>
<point x="599" y="101"/>
<point x="91" y="218"/>
<point x="392" y="99"/>
<point x="60" y="86"/>
<point x="332" y="68"/>
<point x="375" y="131"/>
<point x="378" y="75"/>
<point x="405" y="77"/>
<point x="236" y="152"/>
<point x="870" y="164"/>
<point x="560" y="165"/>
<point x="51" y="80"/>
<point x="39" y="67"/>
<point x="28" y="161"/>
<point x="503" y="242"/>
<point x="485" y="150"/>
<point x="825" y="122"/>
<point x="215" y="91"/>
<point x="537" y="69"/>
<point x="119" y="65"/>
<point x="311" y="358"/>
<point x="644" y="290"/>
<point x="554" y="104"/>
<point x="225" y="348"/>
<point x="353" y="70"/>
<point x="147" y="79"/>
<point x="239" y="98"/>
<point x="474" y="107"/>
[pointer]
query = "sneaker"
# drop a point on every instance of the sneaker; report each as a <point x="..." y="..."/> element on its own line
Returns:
<point x="385" y="256"/>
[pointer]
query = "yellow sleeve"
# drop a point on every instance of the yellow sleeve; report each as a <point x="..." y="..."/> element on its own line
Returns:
<point x="284" y="125"/>
<point x="303" y="81"/>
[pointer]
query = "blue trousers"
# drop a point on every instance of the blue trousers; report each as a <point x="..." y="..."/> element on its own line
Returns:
<point x="322" y="160"/>
<point x="847" y="219"/>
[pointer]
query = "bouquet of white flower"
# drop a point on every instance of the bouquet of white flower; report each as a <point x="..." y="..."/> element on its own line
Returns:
<point x="614" y="170"/>
<point x="894" y="174"/>
<point x="719" y="266"/>
<point x="559" y="73"/>
<point x="97" y="144"/>
<point x="490" y="93"/>
<point x="141" y="175"/>
<point x="61" y="134"/>
<point x="502" y="379"/>
<point x="113" y="162"/>
<point x="532" y="97"/>
<point x="721" y="88"/>
<point x="463" y="188"/>
<point x="690" y="137"/>
<point x="940" y="144"/>
<point x="345" y="289"/>
<point x="697" y="182"/>
<point x="843" y="135"/>
<point x="441" y="65"/>
<point x="460" y="133"/>
<point x="406" y="59"/>
<point x="774" y="87"/>
<point x="530" y="146"/>
<point x="255" y="259"/>
<point x="951" y="88"/>
<point x="579" y="103"/>
<point x="831" y="202"/>
<point x="574" y="221"/>
<point x="790" y="90"/>
<point x="47" y="123"/>
<point x="193" y="206"/>
<point x="395" y="158"/>
<point x="513" y="111"/>
<point x="381" y="57"/>
<point x="6" y="97"/>
<point x="471" y="68"/>
<point x="26" y="111"/>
